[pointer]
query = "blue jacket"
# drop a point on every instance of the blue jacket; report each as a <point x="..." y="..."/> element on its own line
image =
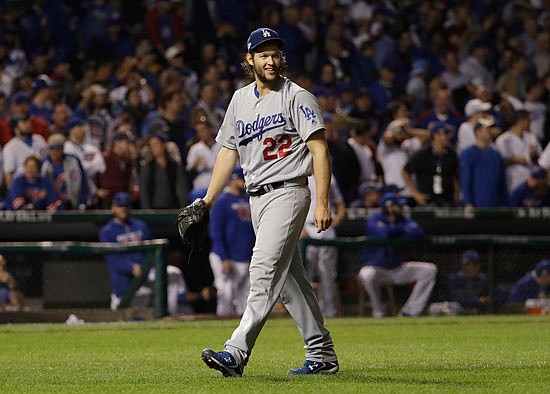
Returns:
<point x="231" y="228"/>
<point x="467" y="291"/>
<point x="120" y="264"/>
<point x="379" y="227"/>
<point x="525" y="288"/>
<point x="40" y="193"/>
<point x="522" y="196"/>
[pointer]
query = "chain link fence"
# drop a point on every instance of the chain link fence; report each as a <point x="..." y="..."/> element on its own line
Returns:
<point x="504" y="260"/>
<point x="54" y="275"/>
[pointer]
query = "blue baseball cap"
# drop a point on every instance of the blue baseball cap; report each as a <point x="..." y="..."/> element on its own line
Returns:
<point x="469" y="256"/>
<point x="122" y="199"/>
<point x="74" y="121"/>
<point x="42" y="82"/>
<point x="237" y="173"/>
<point x="262" y="35"/>
<point x="538" y="173"/>
<point x="438" y="126"/>
<point x="543" y="267"/>
<point x="391" y="199"/>
<point x="20" y="98"/>
<point x="390" y="188"/>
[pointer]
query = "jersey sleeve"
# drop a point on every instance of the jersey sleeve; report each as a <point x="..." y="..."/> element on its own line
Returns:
<point x="306" y="114"/>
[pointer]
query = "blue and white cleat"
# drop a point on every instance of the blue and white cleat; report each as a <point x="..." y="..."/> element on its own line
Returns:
<point x="314" y="367"/>
<point x="223" y="362"/>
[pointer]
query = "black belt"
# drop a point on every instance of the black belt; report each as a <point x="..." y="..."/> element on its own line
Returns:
<point x="266" y="188"/>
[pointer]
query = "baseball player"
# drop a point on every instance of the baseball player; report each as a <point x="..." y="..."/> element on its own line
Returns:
<point x="383" y="265"/>
<point x="123" y="267"/>
<point x="232" y="238"/>
<point x="275" y="128"/>
<point x="322" y="260"/>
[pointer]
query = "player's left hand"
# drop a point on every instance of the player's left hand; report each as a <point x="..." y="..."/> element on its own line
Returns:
<point x="322" y="217"/>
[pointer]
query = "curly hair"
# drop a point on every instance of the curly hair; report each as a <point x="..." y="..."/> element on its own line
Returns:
<point x="249" y="70"/>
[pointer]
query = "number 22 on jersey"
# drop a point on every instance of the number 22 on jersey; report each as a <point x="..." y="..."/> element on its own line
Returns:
<point x="277" y="148"/>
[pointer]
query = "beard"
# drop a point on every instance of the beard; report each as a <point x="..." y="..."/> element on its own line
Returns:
<point x="260" y="74"/>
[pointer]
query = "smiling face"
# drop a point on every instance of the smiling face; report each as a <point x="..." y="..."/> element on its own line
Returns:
<point x="266" y="62"/>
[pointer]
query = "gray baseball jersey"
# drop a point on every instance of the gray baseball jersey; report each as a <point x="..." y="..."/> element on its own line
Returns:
<point x="267" y="131"/>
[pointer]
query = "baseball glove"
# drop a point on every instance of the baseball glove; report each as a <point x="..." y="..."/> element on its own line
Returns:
<point x="192" y="222"/>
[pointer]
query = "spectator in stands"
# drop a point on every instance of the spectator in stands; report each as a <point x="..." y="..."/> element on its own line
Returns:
<point x="538" y="110"/>
<point x="19" y="108"/>
<point x="540" y="58"/>
<point x="345" y="164"/>
<point x="384" y="265"/>
<point x="163" y="182"/>
<point x="385" y="91"/>
<point x="43" y="99"/>
<point x="201" y="158"/>
<point x="544" y="158"/>
<point x="124" y="267"/>
<point x="482" y="178"/>
<point x="23" y="145"/>
<point x="533" y="285"/>
<point x="443" y="111"/>
<point x="534" y="192"/>
<point x="11" y="298"/>
<point x="474" y="110"/>
<point x="60" y="118"/>
<point x="417" y="87"/>
<point x="232" y="238"/>
<point x="170" y="113"/>
<point x="175" y="57"/>
<point x="208" y="102"/>
<point x="120" y="173"/>
<point x="398" y="143"/>
<point x="514" y="81"/>
<point x="163" y="22"/>
<point x="369" y="196"/>
<point x="519" y="149"/>
<point x="31" y="191"/>
<point x="359" y="140"/>
<point x="89" y="155"/>
<point x="475" y="65"/>
<point x="469" y="287"/>
<point x="431" y="174"/>
<point x="132" y="80"/>
<point x="322" y="261"/>
<point x="456" y="81"/>
<point x="66" y="174"/>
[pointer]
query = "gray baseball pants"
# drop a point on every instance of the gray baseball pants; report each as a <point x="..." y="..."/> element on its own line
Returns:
<point x="276" y="269"/>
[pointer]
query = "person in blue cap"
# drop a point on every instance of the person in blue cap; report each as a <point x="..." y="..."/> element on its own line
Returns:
<point x="534" y="284"/>
<point x="469" y="286"/>
<point x="534" y="191"/>
<point x="382" y="265"/>
<point x="124" y="267"/>
<point x="275" y="129"/>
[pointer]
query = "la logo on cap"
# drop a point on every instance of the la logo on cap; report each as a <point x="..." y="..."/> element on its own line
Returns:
<point x="266" y="33"/>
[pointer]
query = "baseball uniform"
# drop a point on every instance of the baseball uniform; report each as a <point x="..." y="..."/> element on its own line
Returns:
<point x="269" y="134"/>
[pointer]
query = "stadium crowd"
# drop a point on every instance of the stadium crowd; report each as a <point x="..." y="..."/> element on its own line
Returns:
<point x="445" y="100"/>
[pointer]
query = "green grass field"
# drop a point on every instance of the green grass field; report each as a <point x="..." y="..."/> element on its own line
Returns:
<point x="492" y="354"/>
